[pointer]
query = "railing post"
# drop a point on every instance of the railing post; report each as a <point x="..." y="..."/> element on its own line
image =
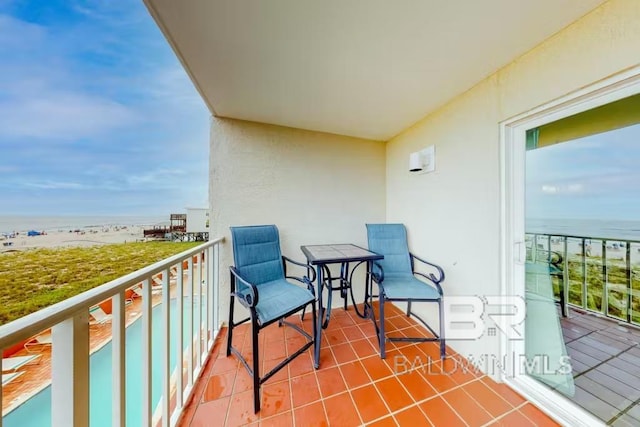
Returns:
<point x="199" y="347"/>
<point x="605" y="284"/>
<point x="166" y="350"/>
<point x="1" y="370"/>
<point x="191" y="297"/>
<point x="180" y="337"/>
<point x="216" y="287"/>
<point x="565" y="273"/>
<point x="209" y="272"/>
<point x="629" y="275"/>
<point x="70" y="372"/>
<point x="584" y="273"/>
<point x="146" y="353"/>
<point x="118" y="361"/>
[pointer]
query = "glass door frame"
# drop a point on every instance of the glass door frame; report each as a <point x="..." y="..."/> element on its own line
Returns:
<point x="512" y="224"/>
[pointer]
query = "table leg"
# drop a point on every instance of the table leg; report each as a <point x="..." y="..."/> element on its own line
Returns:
<point x="367" y="285"/>
<point x="344" y="283"/>
<point x="319" y="318"/>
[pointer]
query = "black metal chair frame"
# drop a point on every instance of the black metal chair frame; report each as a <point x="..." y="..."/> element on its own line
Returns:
<point x="250" y="302"/>
<point x="555" y="260"/>
<point x="378" y="278"/>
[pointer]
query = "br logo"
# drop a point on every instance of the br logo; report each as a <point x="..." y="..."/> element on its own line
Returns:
<point x="470" y="317"/>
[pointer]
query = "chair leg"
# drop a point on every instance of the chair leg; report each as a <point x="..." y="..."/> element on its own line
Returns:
<point x="315" y="327"/>
<point x="383" y="353"/>
<point x="563" y="305"/>
<point x="256" y="368"/>
<point x="408" y="308"/>
<point x="443" y="346"/>
<point x="230" y="330"/>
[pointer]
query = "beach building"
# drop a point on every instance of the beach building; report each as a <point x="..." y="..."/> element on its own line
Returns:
<point x="198" y="224"/>
<point x="327" y="116"/>
<point x="197" y="220"/>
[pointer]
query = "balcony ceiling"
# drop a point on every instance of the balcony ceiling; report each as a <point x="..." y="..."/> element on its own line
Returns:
<point x="366" y="68"/>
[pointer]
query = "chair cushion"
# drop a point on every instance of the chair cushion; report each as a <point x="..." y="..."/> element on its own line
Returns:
<point x="278" y="297"/>
<point x="407" y="286"/>
<point x="390" y="240"/>
<point x="256" y="252"/>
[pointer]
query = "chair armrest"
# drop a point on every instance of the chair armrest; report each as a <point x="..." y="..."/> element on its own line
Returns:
<point x="311" y="272"/>
<point x="431" y="281"/>
<point x="253" y="297"/>
<point x="555" y="259"/>
<point x="432" y="277"/>
<point x="377" y="276"/>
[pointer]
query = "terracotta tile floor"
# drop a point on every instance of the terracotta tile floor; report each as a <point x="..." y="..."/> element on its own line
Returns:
<point x="353" y="385"/>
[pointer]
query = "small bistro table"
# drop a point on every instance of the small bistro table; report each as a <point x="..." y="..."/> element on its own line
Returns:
<point x="321" y="256"/>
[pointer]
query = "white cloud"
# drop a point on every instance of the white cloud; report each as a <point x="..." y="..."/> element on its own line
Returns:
<point x="97" y="104"/>
<point x="55" y="185"/>
<point x="563" y="189"/>
<point x="67" y="115"/>
<point x="154" y="177"/>
<point x="17" y="34"/>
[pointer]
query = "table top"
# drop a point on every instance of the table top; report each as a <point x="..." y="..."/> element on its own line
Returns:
<point x="344" y="252"/>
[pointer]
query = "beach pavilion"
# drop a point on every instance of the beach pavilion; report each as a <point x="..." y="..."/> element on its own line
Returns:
<point x="327" y="116"/>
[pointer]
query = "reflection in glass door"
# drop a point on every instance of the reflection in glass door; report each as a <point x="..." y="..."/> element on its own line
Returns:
<point x="582" y="269"/>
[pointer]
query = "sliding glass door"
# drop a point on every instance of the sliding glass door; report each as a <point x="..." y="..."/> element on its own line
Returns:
<point x="571" y="249"/>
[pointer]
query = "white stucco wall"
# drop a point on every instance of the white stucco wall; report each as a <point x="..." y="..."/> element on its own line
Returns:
<point x="452" y="215"/>
<point x="316" y="187"/>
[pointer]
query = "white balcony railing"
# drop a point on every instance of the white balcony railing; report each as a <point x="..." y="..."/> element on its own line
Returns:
<point x="195" y="279"/>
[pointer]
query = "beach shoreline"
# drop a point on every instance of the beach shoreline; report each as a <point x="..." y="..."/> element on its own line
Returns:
<point x="30" y="232"/>
<point x="83" y="237"/>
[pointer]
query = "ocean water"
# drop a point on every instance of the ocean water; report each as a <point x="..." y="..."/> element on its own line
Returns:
<point x="594" y="228"/>
<point x="9" y="224"/>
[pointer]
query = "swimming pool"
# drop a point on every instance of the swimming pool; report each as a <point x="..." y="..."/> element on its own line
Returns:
<point x="36" y="412"/>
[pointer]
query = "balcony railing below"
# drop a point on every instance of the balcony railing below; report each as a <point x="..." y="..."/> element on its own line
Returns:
<point x="596" y="274"/>
<point x="195" y="278"/>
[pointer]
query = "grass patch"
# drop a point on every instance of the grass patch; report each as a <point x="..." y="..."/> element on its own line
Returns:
<point x="34" y="279"/>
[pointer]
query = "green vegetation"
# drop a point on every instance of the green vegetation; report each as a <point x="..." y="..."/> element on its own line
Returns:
<point x="34" y="279"/>
<point x="616" y="277"/>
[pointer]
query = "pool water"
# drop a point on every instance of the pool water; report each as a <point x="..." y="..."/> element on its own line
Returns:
<point x="36" y="412"/>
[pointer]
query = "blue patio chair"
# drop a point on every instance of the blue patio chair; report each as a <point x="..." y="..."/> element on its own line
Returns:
<point x="395" y="277"/>
<point x="259" y="283"/>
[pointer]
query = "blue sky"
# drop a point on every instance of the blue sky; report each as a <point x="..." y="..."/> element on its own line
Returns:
<point x="596" y="177"/>
<point x="97" y="115"/>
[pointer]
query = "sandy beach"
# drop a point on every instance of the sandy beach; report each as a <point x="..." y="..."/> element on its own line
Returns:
<point x="87" y="236"/>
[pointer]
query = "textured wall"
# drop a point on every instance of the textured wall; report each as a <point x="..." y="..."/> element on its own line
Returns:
<point x="453" y="214"/>
<point x="316" y="187"/>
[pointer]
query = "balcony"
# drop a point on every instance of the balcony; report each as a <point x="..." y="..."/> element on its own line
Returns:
<point x="352" y="387"/>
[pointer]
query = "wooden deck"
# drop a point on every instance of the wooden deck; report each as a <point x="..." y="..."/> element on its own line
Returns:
<point x="605" y="356"/>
